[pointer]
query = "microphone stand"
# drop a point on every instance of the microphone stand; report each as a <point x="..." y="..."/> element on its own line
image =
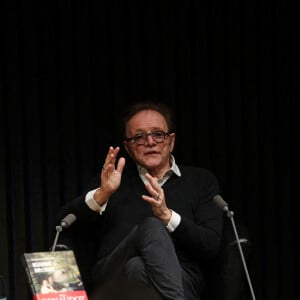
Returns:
<point x="58" y="231"/>
<point x="230" y="216"/>
<point x="65" y="223"/>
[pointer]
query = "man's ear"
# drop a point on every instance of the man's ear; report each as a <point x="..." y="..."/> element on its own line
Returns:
<point x="172" y="142"/>
<point x="126" y="147"/>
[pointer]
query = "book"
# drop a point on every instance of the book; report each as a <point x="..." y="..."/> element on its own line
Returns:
<point x="54" y="275"/>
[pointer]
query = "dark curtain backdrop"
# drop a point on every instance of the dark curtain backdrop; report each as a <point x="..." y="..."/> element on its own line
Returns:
<point x="228" y="69"/>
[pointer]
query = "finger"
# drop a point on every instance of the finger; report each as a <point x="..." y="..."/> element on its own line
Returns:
<point x="111" y="156"/>
<point x="107" y="169"/>
<point x="152" y="191"/>
<point x="151" y="200"/>
<point x="151" y="179"/>
<point x="115" y="152"/>
<point x="156" y="195"/>
<point x="108" y="157"/>
<point x="121" y="164"/>
<point x="153" y="185"/>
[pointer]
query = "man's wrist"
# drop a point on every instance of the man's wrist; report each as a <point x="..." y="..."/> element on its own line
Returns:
<point x="174" y="221"/>
<point x="92" y="203"/>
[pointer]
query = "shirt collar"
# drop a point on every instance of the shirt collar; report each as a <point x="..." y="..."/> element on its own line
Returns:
<point x="174" y="169"/>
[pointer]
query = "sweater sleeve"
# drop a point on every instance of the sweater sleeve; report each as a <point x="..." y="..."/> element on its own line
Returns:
<point x="199" y="232"/>
<point x="78" y="206"/>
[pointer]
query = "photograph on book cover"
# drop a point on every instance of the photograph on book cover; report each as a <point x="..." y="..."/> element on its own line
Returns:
<point x="54" y="273"/>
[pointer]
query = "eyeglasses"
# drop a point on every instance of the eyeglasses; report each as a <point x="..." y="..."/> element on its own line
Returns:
<point x="141" y="138"/>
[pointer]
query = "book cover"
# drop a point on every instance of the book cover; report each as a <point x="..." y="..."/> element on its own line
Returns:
<point x="54" y="276"/>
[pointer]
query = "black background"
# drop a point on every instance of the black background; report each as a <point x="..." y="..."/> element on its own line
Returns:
<point x="229" y="70"/>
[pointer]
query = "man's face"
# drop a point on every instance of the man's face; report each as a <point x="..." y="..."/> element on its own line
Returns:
<point x="152" y="155"/>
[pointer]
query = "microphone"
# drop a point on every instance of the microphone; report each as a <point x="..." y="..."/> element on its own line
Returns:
<point x="220" y="202"/>
<point x="66" y="222"/>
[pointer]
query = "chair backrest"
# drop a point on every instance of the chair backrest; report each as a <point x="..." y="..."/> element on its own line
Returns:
<point x="226" y="278"/>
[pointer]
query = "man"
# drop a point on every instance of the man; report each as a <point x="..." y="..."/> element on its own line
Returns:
<point x="154" y="221"/>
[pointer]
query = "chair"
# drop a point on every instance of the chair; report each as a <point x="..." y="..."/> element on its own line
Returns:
<point x="225" y="278"/>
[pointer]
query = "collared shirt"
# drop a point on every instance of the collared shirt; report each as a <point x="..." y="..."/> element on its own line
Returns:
<point x="175" y="217"/>
<point x="174" y="169"/>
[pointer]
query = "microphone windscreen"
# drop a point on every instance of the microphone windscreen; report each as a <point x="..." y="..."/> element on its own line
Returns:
<point x="219" y="201"/>
<point x="68" y="220"/>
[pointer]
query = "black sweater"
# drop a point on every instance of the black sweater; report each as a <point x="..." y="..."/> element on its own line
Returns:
<point x="196" y="239"/>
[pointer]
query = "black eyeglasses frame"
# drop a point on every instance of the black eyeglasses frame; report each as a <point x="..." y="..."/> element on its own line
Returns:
<point x="143" y="137"/>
